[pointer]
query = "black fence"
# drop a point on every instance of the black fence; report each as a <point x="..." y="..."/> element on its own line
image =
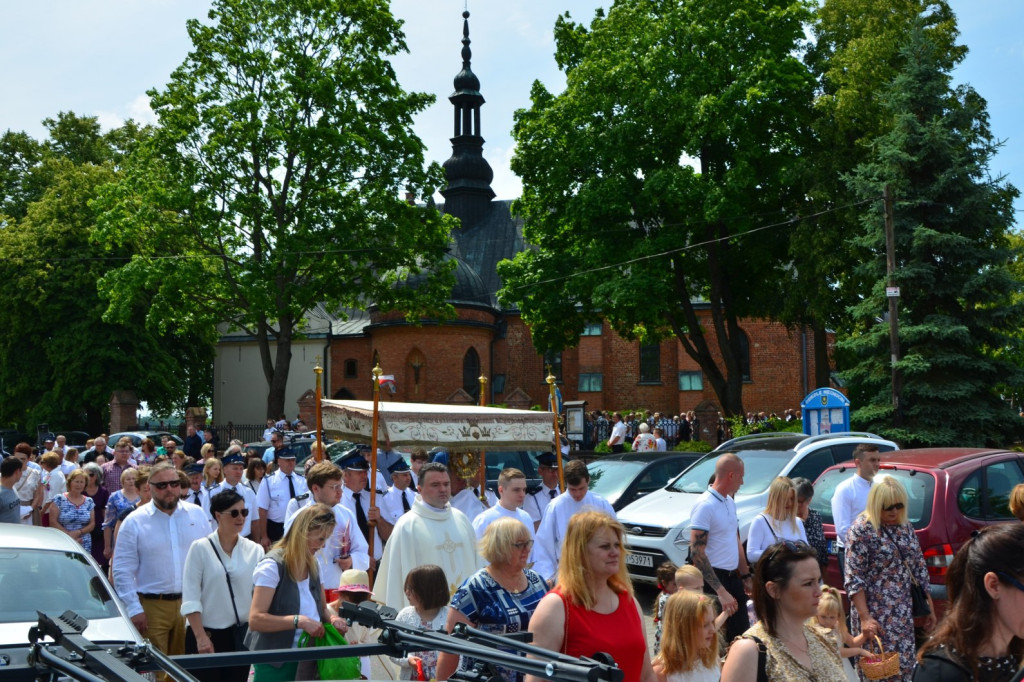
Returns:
<point x="598" y="431"/>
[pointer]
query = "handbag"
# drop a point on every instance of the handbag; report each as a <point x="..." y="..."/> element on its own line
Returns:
<point x="239" y="630"/>
<point x="918" y="599"/>
<point x="333" y="668"/>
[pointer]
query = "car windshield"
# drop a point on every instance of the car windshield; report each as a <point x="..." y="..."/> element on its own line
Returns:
<point x="760" y="468"/>
<point x="920" y="487"/>
<point x="44" y="580"/>
<point x="609" y="479"/>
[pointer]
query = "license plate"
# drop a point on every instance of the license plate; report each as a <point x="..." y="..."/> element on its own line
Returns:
<point x="642" y="560"/>
<point x="832" y="548"/>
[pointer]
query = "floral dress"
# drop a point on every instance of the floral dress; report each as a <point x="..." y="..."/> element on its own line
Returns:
<point x="408" y="616"/>
<point x="492" y="608"/>
<point x="116" y="505"/>
<point x="877" y="565"/>
<point x="816" y="536"/>
<point x="76" y="516"/>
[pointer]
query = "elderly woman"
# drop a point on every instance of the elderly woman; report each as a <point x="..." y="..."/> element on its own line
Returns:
<point x="217" y="587"/>
<point x="883" y="559"/>
<point x="73" y="512"/>
<point x="777" y="522"/>
<point x="95" y="491"/>
<point x="786" y="588"/>
<point x="593" y="608"/>
<point x="644" y="441"/>
<point x="982" y="635"/>
<point x="811" y="518"/>
<point x="500" y="598"/>
<point x="287" y="597"/>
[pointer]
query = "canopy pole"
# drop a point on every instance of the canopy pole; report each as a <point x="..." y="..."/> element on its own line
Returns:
<point x="372" y="482"/>
<point x="319" y="371"/>
<point x="482" y="473"/>
<point x="553" y="404"/>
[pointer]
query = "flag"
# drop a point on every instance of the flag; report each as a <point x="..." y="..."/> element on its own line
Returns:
<point x="555" y="402"/>
<point x="388" y="381"/>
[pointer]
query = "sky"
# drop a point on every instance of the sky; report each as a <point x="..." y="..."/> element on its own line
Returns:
<point x="99" y="57"/>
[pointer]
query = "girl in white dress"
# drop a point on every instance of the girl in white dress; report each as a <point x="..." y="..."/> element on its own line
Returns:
<point x="689" y="640"/>
<point x="832" y="619"/>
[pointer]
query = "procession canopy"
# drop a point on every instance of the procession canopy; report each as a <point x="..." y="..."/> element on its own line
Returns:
<point x="457" y="428"/>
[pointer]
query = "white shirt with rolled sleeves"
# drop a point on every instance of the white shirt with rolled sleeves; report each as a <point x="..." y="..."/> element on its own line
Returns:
<point x="849" y="500"/>
<point x="204" y="584"/>
<point x="548" y="548"/>
<point x="274" y="494"/>
<point x="247" y="494"/>
<point x="151" y="550"/>
<point x="717" y="515"/>
<point x="346" y="531"/>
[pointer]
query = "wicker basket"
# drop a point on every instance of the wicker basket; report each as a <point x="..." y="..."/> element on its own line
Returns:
<point x="885" y="665"/>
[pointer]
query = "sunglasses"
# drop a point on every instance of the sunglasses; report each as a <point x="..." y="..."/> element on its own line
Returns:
<point x="1010" y="579"/>
<point x="163" y="485"/>
<point x="894" y="507"/>
<point x="523" y="545"/>
<point x="235" y="512"/>
<point x="792" y="546"/>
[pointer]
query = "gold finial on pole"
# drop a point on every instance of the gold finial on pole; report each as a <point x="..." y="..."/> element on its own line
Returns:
<point x="553" y="404"/>
<point x="319" y="371"/>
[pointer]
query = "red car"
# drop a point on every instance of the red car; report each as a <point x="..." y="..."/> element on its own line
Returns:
<point x="951" y="492"/>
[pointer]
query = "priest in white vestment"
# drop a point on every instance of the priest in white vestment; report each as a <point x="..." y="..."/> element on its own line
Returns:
<point x="432" y="532"/>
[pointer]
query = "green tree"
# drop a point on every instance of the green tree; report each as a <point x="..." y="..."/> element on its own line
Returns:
<point x="277" y="178"/>
<point x="957" y="302"/>
<point x="625" y="228"/>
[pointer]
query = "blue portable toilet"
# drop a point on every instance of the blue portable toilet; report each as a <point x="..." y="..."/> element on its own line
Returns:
<point x="825" y="410"/>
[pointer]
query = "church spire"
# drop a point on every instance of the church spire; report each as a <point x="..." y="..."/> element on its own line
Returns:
<point x="469" y="192"/>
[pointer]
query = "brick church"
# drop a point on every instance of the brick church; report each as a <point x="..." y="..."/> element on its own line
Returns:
<point x="440" y="361"/>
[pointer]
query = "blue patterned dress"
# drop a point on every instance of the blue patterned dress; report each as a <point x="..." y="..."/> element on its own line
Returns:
<point x="76" y="517"/>
<point x="490" y="607"/>
<point x="877" y="565"/>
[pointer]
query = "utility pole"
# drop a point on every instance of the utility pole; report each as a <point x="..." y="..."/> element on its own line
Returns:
<point x="892" y="292"/>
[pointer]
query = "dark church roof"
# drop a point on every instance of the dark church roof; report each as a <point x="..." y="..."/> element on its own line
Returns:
<point x="494" y="236"/>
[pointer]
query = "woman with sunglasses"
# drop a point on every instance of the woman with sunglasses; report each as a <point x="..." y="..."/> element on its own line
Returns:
<point x="786" y="589"/>
<point x="500" y="598"/>
<point x="981" y="636"/>
<point x="217" y="588"/>
<point x="288" y="598"/>
<point x="883" y="561"/>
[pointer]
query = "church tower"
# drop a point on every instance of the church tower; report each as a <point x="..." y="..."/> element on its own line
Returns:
<point x="468" y="194"/>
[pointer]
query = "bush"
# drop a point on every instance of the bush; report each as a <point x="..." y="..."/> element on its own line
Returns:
<point x="693" y="446"/>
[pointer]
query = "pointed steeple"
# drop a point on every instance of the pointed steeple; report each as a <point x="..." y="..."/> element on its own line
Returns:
<point x="469" y="192"/>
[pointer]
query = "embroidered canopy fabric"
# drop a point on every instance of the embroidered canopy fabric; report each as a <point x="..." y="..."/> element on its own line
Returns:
<point x="457" y="428"/>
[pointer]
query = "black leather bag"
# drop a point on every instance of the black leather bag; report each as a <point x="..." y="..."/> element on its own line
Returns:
<point x="917" y="595"/>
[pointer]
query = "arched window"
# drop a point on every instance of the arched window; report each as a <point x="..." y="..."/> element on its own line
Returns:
<point x="471" y="373"/>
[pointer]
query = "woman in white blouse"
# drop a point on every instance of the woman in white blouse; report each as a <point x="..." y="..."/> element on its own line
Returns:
<point x="777" y="522"/>
<point x="217" y="588"/>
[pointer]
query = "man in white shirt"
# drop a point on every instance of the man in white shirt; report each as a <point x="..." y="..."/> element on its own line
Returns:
<point x="276" y="490"/>
<point x="851" y="496"/>
<point x="149" y="560"/>
<point x="233" y="466"/>
<point x="401" y="495"/>
<point x="511" y="493"/>
<point x="356" y="498"/>
<point x="537" y="500"/>
<point x="548" y="548"/>
<point x="618" y="435"/>
<point x="346" y="548"/>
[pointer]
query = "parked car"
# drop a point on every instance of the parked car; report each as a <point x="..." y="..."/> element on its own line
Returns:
<point x="42" y="569"/>
<point x="658" y="525"/>
<point x="625" y="477"/>
<point x="137" y="437"/>
<point x="951" y="492"/>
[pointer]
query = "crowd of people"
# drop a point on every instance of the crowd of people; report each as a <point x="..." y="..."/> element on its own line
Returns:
<point x="236" y="551"/>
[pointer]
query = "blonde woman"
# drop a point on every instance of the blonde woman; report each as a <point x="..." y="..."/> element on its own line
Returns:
<point x="207" y="452"/>
<point x="73" y="512"/>
<point x="689" y="643"/>
<point x="593" y="608"/>
<point x="777" y="522"/>
<point x="213" y="473"/>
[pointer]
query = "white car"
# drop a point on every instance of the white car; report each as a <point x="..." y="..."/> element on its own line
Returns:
<point x="42" y="569"/>
<point x="658" y="525"/>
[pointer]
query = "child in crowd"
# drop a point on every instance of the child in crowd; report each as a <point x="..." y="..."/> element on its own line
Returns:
<point x="690" y="643"/>
<point x="832" y="619"/>
<point x="426" y="588"/>
<point x="666" y="575"/>
<point x="355" y="589"/>
<point x="689" y="578"/>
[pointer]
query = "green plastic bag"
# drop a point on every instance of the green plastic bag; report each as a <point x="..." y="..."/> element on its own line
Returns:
<point x="333" y="668"/>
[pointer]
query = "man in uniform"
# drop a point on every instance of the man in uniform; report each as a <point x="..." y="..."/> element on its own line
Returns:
<point x="233" y="466"/>
<point x="276" y="490"/>
<point x="537" y="501"/>
<point x="356" y="498"/>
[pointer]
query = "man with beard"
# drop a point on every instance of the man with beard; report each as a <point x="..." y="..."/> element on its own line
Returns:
<point x="149" y="560"/>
